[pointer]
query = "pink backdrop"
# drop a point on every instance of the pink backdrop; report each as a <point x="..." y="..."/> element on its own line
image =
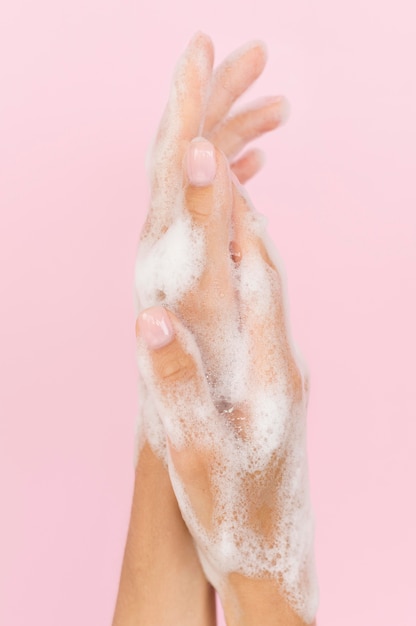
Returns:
<point x="82" y="86"/>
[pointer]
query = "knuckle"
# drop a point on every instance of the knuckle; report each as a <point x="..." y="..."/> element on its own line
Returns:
<point x="199" y="203"/>
<point x="174" y="365"/>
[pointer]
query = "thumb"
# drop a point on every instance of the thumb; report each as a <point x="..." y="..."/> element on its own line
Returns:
<point x="171" y="366"/>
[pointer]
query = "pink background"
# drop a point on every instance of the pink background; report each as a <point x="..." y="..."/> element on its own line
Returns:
<point x="82" y="86"/>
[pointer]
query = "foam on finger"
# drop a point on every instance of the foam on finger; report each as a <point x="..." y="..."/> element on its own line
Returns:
<point x="180" y="122"/>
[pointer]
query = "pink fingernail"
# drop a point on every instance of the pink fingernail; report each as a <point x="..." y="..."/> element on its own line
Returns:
<point x="155" y="327"/>
<point x="201" y="163"/>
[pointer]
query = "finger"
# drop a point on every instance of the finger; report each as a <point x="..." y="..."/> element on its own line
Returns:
<point x="171" y="365"/>
<point x="260" y="117"/>
<point x="185" y="109"/>
<point x="263" y="306"/>
<point x="248" y="165"/>
<point x="208" y="200"/>
<point x="181" y="121"/>
<point x="232" y="78"/>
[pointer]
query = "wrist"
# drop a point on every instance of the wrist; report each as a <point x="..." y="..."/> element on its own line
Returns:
<point x="248" y="602"/>
<point x="161" y="581"/>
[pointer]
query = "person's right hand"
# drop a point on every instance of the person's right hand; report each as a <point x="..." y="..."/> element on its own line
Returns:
<point x="226" y="381"/>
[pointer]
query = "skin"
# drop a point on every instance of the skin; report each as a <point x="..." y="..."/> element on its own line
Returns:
<point x="178" y="374"/>
<point x="162" y="581"/>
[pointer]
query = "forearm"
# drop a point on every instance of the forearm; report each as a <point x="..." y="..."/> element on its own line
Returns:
<point x="161" y="580"/>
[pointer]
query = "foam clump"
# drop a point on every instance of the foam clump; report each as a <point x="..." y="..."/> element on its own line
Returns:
<point x="171" y="266"/>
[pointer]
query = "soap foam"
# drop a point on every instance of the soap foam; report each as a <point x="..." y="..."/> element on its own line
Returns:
<point x="171" y="266"/>
<point x="273" y="424"/>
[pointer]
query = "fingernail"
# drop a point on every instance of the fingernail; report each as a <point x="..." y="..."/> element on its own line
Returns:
<point x="155" y="327"/>
<point x="235" y="252"/>
<point x="201" y="163"/>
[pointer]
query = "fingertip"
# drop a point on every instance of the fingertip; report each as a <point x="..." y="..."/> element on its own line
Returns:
<point x="247" y="166"/>
<point x="274" y="110"/>
<point x="200" y="37"/>
<point x="253" y="44"/>
<point x="260" y="50"/>
<point x="260" y="157"/>
<point x="204" y="42"/>
<point x="262" y="46"/>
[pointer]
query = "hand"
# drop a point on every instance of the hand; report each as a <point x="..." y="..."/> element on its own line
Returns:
<point x="161" y="571"/>
<point x="198" y="100"/>
<point x="235" y="417"/>
<point x="225" y="377"/>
